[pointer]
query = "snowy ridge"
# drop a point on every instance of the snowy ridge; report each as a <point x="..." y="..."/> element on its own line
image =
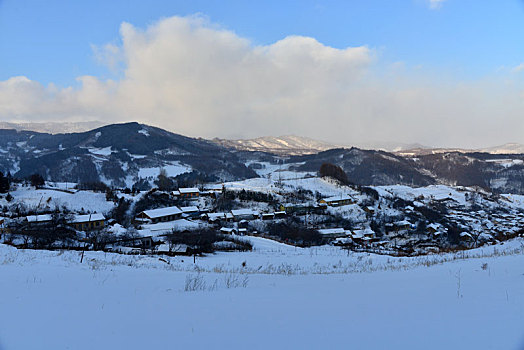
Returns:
<point x="282" y="145"/>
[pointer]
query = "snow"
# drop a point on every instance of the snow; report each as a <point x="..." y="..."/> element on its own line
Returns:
<point x="106" y="151"/>
<point x="143" y="132"/>
<point x="163" y="228"/>
<point x="47" y="198"/>
<point x="506" y="163"/>
<point x="134" y="302"/>
<point x="172" y="169"/>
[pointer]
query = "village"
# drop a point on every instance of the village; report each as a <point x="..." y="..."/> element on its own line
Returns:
<point x="210" y="217"/>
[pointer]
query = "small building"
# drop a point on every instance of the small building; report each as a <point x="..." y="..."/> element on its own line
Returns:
<point x="296" y="208"/>
<point x="216" y="188"/>
<point x="88" y="222"/>
<point x="332" y="232"/>
<point x="280" y="214"/>
<point x="337" y="201"/>
<point x="39" y="220"/>
<point x="228" y="230"/>
<point x="159" y="215"/>
<point x="191" y="211"/>
<point x="402" y="225"/>
<point x="244" y="214"/>
<point x="189" y="192"/>
<point x="268" y="216"/>
<point x="363" y="233"/>
<point x="214" y="217"/>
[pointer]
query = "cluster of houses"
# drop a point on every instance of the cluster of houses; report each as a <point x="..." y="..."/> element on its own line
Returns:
<point x="84" y="222"/>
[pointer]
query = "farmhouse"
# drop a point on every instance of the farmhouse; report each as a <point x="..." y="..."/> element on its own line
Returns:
<point x="332" y="232"/>
<point x="189" y="192"/>
<point x="296" y="208"/>
<point x="337" y="201"/>
<point x="217" y="188"/>
<point x="159" y="215"/>
<point x="88" y="222"/>
<point x="191" y="211"/>
<point x="268" y="216"/>
<point x="39" y="220"/>
<point x="244" y="214"/>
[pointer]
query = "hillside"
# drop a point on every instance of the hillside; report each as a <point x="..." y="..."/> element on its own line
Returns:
<point x="118" y="154"/>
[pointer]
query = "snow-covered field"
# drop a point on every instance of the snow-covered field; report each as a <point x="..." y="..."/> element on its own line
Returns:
<point x="284" y="298"/>
<point x="41" y="199"/>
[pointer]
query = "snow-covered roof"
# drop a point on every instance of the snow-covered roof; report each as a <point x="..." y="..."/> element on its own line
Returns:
<point x="403" y="223"/>
<point x="213" y="187"/>
<point x="434" y="226"/>
<point x="88" y="218"/>
<point x="343" y="197"/>
<point x="242" y="212"/>
<point x="227" y="230"/>
<point x="331" y="231"/>
<point x="39" y="218"/>
<point x="363" y="232"/>
<point x="188" y="190"/>
<point x="190" y="209"/>
<point x="161" y="212"/>
<point x="214" y="216"/>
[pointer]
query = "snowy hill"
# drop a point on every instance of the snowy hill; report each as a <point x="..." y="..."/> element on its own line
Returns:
<point x="119" y="155"/>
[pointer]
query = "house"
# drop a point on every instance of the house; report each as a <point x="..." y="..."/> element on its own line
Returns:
<point x="88" y="222"/>
<point x="268" y="216"/>
<point x="244" y="214"/>
<point x="214" y="217"/>
<point x="159" y="215"/>
<point x="217" y="217"/>
<point x="296" y="208"/>
<point x="337" y="201"/>
<point x="280" y="214"/>
<point x="189" y="192"/>
<point x="191" y="211"/>
<point x="402" y="225"/>
<point x="332" y="232"/>
<point x="228" y="230"/>
<point x="39" y="220"/>
<point x="216" y="188"/>
<point x="366" y="233"/>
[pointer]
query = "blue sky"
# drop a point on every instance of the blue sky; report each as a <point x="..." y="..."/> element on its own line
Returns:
<point x="50" y="41"/>
<point x="437" y="72"/>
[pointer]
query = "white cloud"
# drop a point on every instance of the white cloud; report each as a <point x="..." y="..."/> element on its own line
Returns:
<point x="188" y="76"/>
<point x="435" y="4"/>
<point x="518" y="68"/>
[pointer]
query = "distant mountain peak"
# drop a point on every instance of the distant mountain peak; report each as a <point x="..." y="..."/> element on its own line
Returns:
<point x="281" y="145"/>
<point x="53" y="127"/>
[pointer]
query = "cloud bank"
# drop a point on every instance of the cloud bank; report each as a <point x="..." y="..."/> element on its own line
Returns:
<point x="189" y="76"/>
